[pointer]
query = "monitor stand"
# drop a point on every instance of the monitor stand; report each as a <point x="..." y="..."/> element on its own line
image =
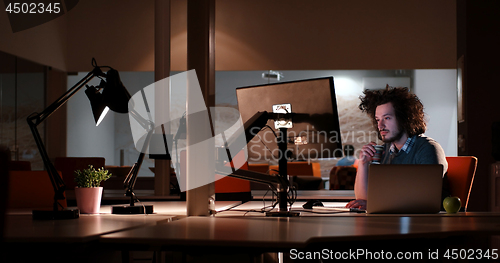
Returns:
<point x="283" y="173"/>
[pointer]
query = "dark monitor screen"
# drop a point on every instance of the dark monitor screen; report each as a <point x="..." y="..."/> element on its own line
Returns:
<point x="315" y="130"/>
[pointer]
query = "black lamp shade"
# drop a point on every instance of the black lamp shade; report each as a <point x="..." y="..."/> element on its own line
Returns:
<point x="97" y="103"/>
<point x="114" y="94"/>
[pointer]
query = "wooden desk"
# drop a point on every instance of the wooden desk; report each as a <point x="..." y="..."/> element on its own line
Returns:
<point x="87" y="228"/>
<point x="299" y="232"/>
<point x="258" y="234"/>
<point x="170" y="230"/>
<point x="76" y="240"/>
<point x="73" y="240"/>
<point x="20" y="227"/>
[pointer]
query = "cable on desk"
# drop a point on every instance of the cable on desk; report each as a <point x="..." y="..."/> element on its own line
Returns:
<point x="320" y="212"/>
<point x="291" y="195"/>
<point x="141" y="203"/>
<point x="274" y="192"/>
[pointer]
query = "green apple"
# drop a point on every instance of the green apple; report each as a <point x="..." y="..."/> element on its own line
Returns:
<point x="452" y="204"/>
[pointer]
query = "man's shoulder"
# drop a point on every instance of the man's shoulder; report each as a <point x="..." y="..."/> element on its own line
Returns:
<point x="430" y="151"/>
<point x="423" y="142"/>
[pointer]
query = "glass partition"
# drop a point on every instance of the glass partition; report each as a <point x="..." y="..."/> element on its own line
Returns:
<point x="22" y="92"/>
<point x="356" y="127"/>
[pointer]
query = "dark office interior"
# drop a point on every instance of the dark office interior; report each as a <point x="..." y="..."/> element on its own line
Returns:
<point x="213" y="36"/>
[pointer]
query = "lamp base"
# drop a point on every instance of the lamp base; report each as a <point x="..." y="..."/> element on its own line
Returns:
<point x="59" y="214"/>
<point x="127" y="210"/>
<point x="283" y="214"/>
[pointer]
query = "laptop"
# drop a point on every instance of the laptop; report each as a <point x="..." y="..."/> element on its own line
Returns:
<point x="404" y="188"/>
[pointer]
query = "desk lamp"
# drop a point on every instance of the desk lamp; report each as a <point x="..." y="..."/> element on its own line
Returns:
<point x="114" y="96"/>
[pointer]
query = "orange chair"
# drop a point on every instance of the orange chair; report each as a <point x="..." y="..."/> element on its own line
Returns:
<point x="233" y="189"/>
<point x="226" y="188"/>
<point x="31" y="189"/>
<point x="461" y="170"/>
<point x="305" y="175"/>
<point x="299" y="169"/>
<point x="261" y="168"/>
<point x="316" y="169"/>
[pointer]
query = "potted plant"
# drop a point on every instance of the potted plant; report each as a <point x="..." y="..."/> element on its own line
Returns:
<point x="88" y="191"/>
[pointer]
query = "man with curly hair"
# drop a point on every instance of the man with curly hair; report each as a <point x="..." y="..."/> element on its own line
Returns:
<point x="399" y="118"/>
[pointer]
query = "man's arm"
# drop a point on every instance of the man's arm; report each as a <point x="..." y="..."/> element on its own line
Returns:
<point x="361" y="183"/>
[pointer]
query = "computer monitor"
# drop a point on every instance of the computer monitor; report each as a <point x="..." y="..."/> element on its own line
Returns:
<point x="314" y="131"/>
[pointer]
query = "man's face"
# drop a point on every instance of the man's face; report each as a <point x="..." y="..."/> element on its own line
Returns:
<point x="387" y="124"/>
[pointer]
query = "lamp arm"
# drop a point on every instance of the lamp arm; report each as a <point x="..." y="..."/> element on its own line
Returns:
<point x="40" y="117"/>
<point x="142" y="121"/>
<point x="55" y="178"/>
<point x="129" y="182"/>
<point x="36" y="119"/>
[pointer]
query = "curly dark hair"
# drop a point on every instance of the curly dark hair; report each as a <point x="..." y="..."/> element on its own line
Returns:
<point x="409" y="110"/>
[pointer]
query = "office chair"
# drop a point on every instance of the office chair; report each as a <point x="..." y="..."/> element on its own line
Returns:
<point x="31" y="189"/>
<point x="342" y="177"/>
<point x="461" y="170"/>
<point x="226" y="188"/>
<point x="261" y="168"/>
<point x="305" y="175"/>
